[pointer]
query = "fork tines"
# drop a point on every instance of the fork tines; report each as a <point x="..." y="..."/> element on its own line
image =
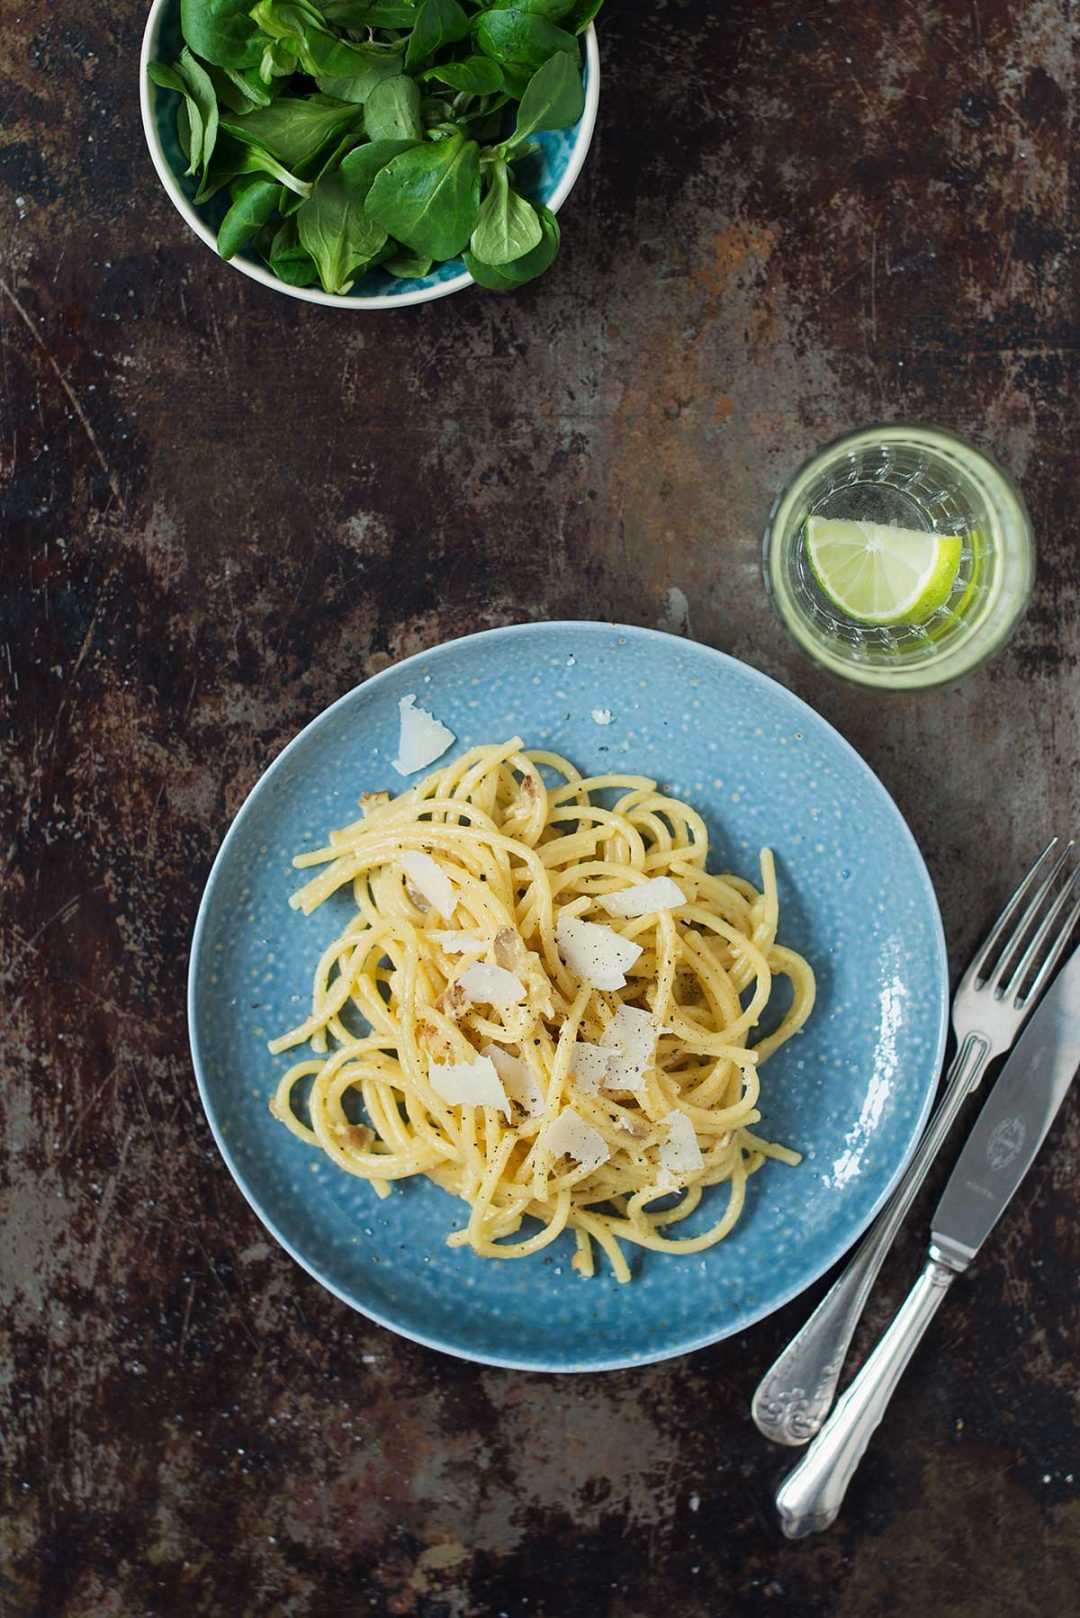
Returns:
<point x="1028" y="938"/>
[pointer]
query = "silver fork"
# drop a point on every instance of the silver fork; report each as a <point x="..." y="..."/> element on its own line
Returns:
<point x="989" y="1008"/>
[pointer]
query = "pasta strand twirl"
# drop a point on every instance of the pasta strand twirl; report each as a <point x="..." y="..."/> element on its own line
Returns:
<point x="494" y="914"/>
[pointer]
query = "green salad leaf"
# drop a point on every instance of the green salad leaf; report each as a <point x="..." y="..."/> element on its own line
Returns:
<point x="521" y="41"/>
<point x="233" y="157"/>
<point x="438" y="23"/>
<point x="553" y="10"/>
<point x="343" y="135"/>
<point x="338" y="233"/>
<point x="477" y="75"/>
<point x="254" y="205"/>
<point x="221" y="32"/>
<point x="360" y="166"/>
<point x="506" y="277"/>
<point x="554" y="98"/>
<point x="293" y="129"/>
<point x="361" y="14"/>
<point x="508" y="226"/>
<point x="405" y="265"/>
<point x="392" y="110"/>
<point x="429" y="197"/>
<point x="289" y="261"/>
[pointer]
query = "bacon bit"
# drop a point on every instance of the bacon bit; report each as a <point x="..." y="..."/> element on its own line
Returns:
<point x="358" y="1135"/>
<point x="432" y="1040"/>
<point x="453" y="1000"/>
<point x="416" y="898"/>
<point x="509" y="949"/>
<point x="373" y="800"/>
<point x="524" y="800"/>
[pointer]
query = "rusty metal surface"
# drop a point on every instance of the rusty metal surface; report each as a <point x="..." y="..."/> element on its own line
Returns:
<point x="220" y="509"/>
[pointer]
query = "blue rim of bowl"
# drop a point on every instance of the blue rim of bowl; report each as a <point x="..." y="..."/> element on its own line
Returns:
<point x="333" y="300"/>
<point x="829" y="1257"/>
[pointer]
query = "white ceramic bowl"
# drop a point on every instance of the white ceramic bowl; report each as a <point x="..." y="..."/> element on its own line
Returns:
<point x="560" y="162"/>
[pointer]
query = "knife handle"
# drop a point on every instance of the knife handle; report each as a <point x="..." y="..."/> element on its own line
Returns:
<point x="810" y="1497"/>
<point x="793" y="1397"/>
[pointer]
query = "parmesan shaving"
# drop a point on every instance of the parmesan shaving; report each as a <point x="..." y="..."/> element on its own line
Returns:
<point x="589" y="1064"/>
<point x="457" y="943"/>
<point x="680" y="1153"/>
<point x="596" y="954"/>
<point x="509" y="949"/>
<point x="416" y="898"/>
<point x="659" y="893"/>
<point x="469" y="1084"/>
<point x="423" y="738"/>
<point x="430" y="882"/>
<point x="518" y="1079"/>
<point x="492" y="985"/>
<point x="602" y="716"/>
<point x="630" y="1040"/>
<point x="570" y="1134"/>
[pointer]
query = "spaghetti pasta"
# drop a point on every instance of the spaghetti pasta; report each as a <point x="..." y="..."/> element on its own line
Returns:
<point x="537" y="1040"/>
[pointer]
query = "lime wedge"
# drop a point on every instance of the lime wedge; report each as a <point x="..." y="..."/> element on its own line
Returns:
<point x="877" y="574"/>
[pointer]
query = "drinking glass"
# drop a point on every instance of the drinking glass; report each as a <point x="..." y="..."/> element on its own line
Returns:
<point x="912" y="477"/>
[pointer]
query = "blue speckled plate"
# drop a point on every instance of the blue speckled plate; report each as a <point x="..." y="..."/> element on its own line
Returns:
<point x="851" y="1092"/>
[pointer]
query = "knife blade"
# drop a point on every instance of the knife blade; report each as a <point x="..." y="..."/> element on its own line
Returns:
<point x="1013" y="1123"/>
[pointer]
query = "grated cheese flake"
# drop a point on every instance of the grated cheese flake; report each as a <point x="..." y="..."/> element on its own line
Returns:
<point x="570" y="1134"/>
<point x="469" y="1084"/>
<point x="423" y="738"/>
<point x="430" y="881"/>
<point x="598" y="955"/>
<point x="602" y="716"/>
<point x="589" y="1064"/>
<point x="680" y="1153"/>
<point x="458" y="943"/>
<point x="509" y="950"/>
<point x="492" y="985"/>
<point x="630" y="1038"/>
<point x="659" y="893"/>
<point x="518" y="1079"/>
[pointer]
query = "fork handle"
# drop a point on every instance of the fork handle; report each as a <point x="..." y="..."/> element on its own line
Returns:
<point x="810" y="1497"/>
<point x="794" y="1396"/>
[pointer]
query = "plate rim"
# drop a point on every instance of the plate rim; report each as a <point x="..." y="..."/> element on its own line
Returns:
<point x="527" y="1362"/>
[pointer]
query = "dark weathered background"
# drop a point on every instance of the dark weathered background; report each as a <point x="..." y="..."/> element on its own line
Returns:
<point x="220" y="510"/>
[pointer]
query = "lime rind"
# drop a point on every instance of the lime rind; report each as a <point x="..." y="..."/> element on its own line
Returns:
<point x="875" y="573"/>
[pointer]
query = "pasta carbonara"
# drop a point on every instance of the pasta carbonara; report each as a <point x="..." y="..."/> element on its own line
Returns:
<point x="543" y="1001"/>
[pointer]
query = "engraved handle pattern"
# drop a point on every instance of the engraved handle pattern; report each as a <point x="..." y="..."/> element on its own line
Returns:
<point x="795" y="1394"/>
<point x="810" y="1497"/>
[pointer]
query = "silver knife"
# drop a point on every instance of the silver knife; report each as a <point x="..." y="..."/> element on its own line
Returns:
<point x="997" y="1154"/>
